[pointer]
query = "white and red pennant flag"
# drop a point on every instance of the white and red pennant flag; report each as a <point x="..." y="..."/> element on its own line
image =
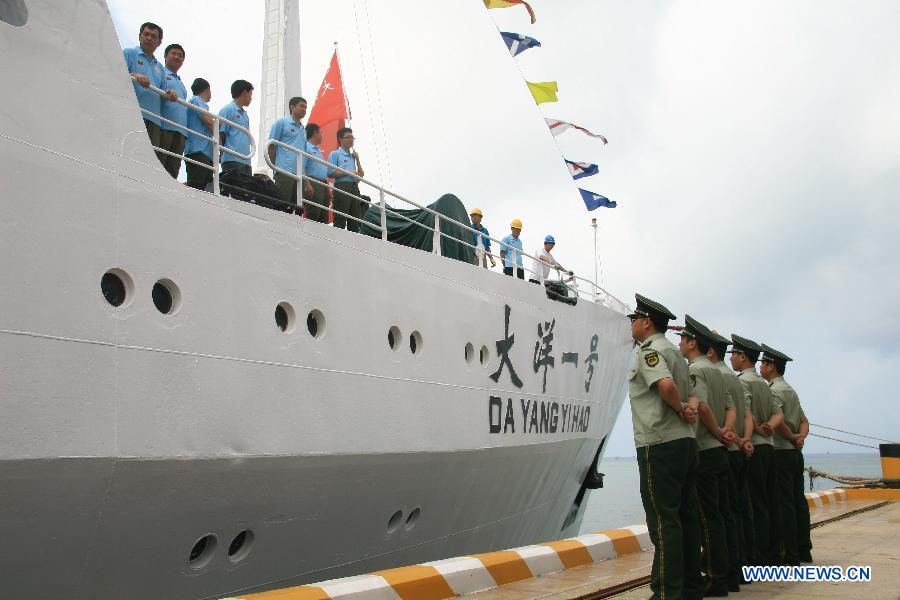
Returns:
<point x="330" y="112"/>
<point x="330" y="109"/>
<point x="557" y="127"/>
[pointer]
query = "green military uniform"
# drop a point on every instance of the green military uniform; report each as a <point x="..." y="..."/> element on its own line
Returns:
<point x="738" y="490"/>
<point x="667" y="461"/>
<point x="762" y="476"/>
<point x="793" y="509"/>
<point x="716" y="519"/>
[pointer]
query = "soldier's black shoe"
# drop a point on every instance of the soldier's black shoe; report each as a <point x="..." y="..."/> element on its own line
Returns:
<point x="806" y="558"/>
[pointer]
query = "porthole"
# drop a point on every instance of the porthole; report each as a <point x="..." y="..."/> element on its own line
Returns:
<point x="395" y="521"/>
<point x="315" y="323"/>
<point x="470" y="352"/>
<point x="202" y="551"/>
<point x="240" y="546"/>
<point x="116" y="287"/>
<point x="14" y="12"/>
<point x="394" y="338"/>
<point x="415" y="342"/>
<point x="166" y="296"/>
<point x="484" y="355"/>
<point x="284" y="317"/>
<point x="413" y="518"/>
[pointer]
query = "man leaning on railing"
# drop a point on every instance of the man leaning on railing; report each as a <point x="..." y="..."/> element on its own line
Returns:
<point x="232" y="137"/>
<point x="147" y="71"/>
<point x="172" y="138"/>
<point x="197" y="148"/>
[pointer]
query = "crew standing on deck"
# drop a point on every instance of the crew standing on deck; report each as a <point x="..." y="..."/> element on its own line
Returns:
<point x="315" y="202"/>
<point x="481" y="238"/>
<point x="662" y="415"/>
<point x="199" y="148"/>
<point x="347" y="172"/>
<point x="147" y="71"/>
<point x="789" y="438"/>
<point x="715" y="430"/>
<point x="767" y="416"/>
<point x="738" y="458"/>
<point x="232" y="137"/>
<point x="172" y="138"/>
<point x="289" y="130"/>
<point x="511" y="251"/>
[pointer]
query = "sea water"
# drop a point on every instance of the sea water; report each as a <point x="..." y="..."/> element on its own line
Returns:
<point x="618" y="503"/>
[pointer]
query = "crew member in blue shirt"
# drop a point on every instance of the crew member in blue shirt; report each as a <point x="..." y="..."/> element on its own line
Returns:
<point x="476" y="215"/>
<point x="347" y="168"/>
<point x="172" y="138"/>
<point x="147" y="71"/>
<point x="231" y="137"/>
<point x="198" y="148"/>
<point x="316" y="203"/>
<point x="289" y="130"/>
<point x="511" y="251"/>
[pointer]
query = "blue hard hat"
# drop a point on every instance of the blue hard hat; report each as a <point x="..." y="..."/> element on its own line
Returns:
<point x="549" y="240"/>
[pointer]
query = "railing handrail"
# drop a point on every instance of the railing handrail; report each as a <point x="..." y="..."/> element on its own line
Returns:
<point x="438" y="216"/>
<point x="203" y="111"/>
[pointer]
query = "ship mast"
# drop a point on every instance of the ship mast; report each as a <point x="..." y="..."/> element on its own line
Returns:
<point x="280" y="73"/>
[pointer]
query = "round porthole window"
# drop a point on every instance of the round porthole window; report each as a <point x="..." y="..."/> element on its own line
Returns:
<point x="116" y="287"/>
<point x="284" y="317"/>
<point x="415" y="342"/>
<point x="166" y="296"/>
<point x="240" y="546"/>
<point x="394" y="338"/>
<point x="202" y="551"/>
<point x="315" y="323"/>
<point x="470" y="352"/>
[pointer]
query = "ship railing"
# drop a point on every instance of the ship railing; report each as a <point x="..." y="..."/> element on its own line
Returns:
<point x="590" y="290"/>
<point x="217" y="147"/>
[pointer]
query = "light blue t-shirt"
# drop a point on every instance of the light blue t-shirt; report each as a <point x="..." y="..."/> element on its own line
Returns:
<point x="235" y="139"/>
<point x="196" y="144"/>
<point x="288" y="131"/>
<point x="173" y="110"/>
<point x="312" y="168"/>
<point x="514" y="254"/>
<point x="138" y="62"/>
<point x="485" y="242"/>
<point x="343" y="159"/>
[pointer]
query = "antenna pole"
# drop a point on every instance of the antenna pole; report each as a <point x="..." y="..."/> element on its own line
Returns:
<point x="596" y="260"/>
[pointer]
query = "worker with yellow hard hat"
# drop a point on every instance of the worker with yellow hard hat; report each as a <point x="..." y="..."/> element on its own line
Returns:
<point x="481" y="238"/>
<point x="511" y="251"/>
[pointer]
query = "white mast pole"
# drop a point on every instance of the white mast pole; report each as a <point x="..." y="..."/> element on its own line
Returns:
<point x="596" y="261"/>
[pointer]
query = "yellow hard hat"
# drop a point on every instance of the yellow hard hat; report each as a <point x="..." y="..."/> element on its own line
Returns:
<point x="476" y="211"/>
<point x="516" y="223"/>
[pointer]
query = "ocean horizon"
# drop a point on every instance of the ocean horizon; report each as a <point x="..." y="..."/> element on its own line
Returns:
<point x="618" y="503"/>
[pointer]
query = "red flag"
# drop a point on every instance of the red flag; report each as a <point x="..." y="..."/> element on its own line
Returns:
<point x="330" y="108"/>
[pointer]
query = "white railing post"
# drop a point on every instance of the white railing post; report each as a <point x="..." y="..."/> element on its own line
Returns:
<point x="298" y="192"/>
<point x="479" y="251"/>
<point x="384" y="232"/>
<point x="436" y="244"/>
<point x="216" y="156"/>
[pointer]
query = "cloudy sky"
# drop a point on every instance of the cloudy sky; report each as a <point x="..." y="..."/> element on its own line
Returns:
<point x="754" y="151"/>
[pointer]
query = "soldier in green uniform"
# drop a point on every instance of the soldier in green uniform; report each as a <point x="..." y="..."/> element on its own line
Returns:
<point x="663" y="412"/>
<point x="788" y="439"/>
<point x="738" y="456"/>
<point x="767" y="416"/>
<point x="716" y="429"/>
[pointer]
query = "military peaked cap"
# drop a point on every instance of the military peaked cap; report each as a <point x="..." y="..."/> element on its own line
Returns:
<point x="694" y="329"/>
<point x="647" y="307"/>
<point x="742" y="344"/>
<point x="720" y="339"/>
<point x="773" y="355"/>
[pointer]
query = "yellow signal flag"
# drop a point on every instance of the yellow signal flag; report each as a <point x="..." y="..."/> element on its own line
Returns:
<point x="510" y="4"/>
<point x="544" y="91"/>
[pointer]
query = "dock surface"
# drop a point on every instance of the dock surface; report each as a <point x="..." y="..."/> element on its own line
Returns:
<point x="851" y="533"/>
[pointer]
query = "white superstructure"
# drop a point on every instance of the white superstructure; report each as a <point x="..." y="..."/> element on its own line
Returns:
<point x="204" y="451"/>
<point x="280" y="79"/>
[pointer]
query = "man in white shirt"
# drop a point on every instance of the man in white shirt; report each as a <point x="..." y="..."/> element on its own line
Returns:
<point x="545" y="260"/>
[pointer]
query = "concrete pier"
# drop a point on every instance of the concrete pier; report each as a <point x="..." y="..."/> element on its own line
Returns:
<point x="851" y="528"/>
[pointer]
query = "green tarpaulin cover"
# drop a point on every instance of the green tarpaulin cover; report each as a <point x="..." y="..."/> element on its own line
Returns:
<point x="415" y="235"/>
